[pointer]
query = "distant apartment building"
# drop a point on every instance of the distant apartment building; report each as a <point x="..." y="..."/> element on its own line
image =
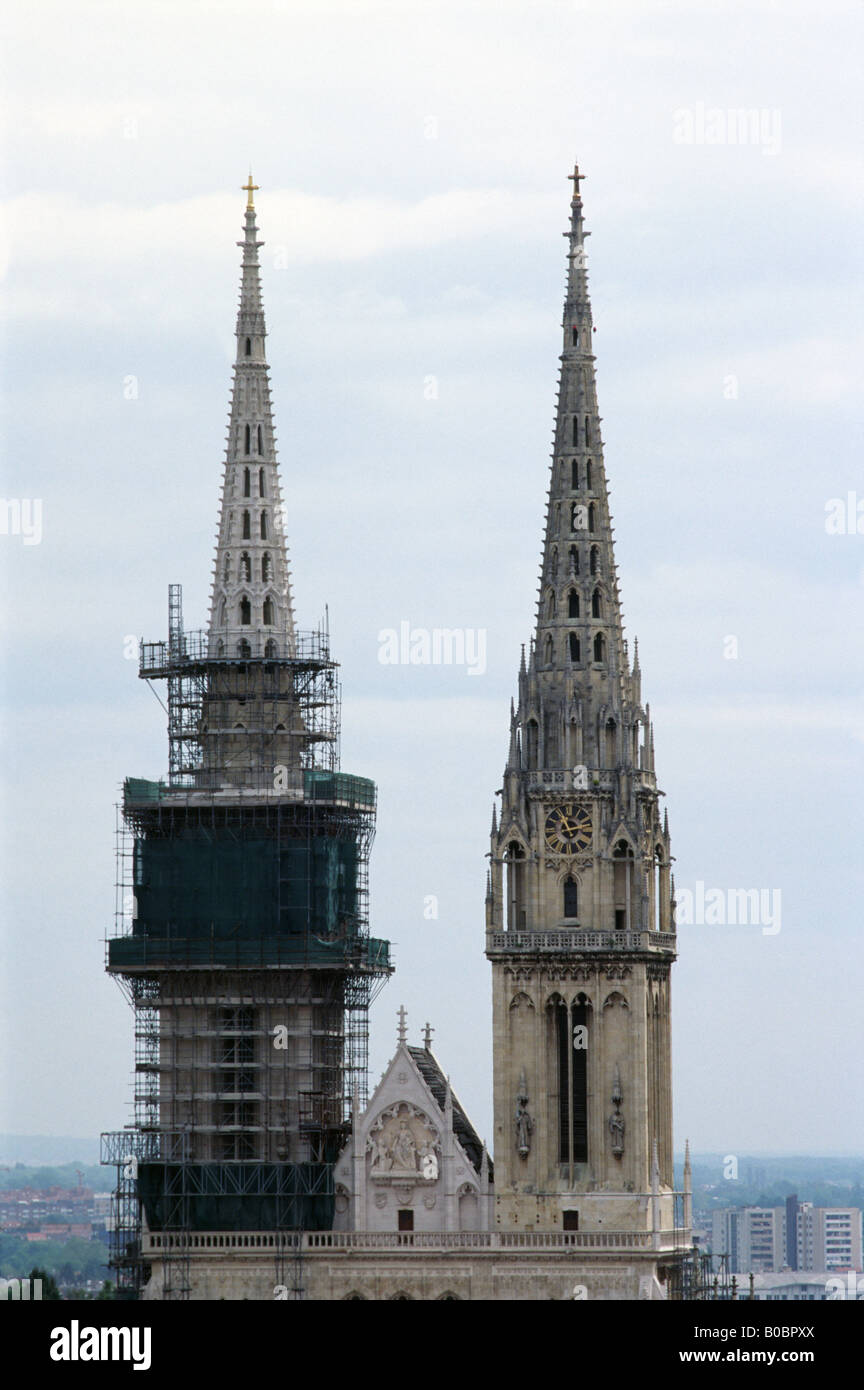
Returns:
<point x="828" y="1237"/>
<point x="799" y="1236"/>
<point x="754" y="1238"/>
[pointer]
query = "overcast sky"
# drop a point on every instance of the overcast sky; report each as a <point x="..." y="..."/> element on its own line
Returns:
<point x="412" y="162"/>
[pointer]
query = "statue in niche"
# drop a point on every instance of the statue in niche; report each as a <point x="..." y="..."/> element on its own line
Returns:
<point x="616" y="1120"/>
<point x="616" y="1129"/>
<point x="404" y="1149"/>
<point x="524" y="1122"/>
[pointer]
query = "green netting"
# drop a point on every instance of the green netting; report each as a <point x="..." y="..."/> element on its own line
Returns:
<point x="338" y="786"/>
<point x="141" y="952"/>
<point x="205" y="882"/>
<point x="139" y="789"/>
<point x="239" y="1197"/>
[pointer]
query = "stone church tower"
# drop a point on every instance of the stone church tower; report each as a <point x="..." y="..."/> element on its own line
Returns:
<point x="580" y="926"/>
<point x="255" y="1168"/>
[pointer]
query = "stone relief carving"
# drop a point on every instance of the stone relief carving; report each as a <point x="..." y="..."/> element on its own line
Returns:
<point x="582" y="972"/>
<point x="428" y="1163"/>
<point x="569" y="972"/>
<point x="522" y="1001"/>
<point x="519" y="973"/>
<point x="615" y="1000"/>
<point x="403" y="1144"/>
<point x="617" y="972"/>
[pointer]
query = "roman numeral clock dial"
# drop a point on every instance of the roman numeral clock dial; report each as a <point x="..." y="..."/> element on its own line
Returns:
<point x="568" y="829"/>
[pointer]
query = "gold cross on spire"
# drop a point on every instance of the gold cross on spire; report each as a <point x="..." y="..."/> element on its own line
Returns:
<point x="577" y="179"/>
<point x="250" y="188"/>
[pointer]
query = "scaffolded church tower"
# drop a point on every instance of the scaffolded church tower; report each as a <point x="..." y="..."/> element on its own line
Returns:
<point x="579" y="915"/>
<point x="242" y="936"/>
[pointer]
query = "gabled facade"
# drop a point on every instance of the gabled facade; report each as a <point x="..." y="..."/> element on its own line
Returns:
<point x="414" y="1161"/>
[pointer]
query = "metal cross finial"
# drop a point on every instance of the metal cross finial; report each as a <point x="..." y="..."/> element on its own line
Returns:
<point x="250" y="188"/>
<point x="427" y="1037"/>
<point x="402" y="1035"/>
<point x="577" y="179"/>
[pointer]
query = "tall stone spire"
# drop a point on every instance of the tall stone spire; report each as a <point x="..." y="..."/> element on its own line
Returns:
<point x="251" y="609"/>
<point x="579" y="647"/>
<point x="580" y="931"/>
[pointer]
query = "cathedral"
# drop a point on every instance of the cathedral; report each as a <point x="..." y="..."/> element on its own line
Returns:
<point x="258" y="1166"/>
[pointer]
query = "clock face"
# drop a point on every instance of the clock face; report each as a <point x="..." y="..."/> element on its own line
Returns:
<point x="568" y="829"/>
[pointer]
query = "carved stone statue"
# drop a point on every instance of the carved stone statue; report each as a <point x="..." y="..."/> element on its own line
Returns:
<point x="616" y="1130"/>
<point x="404" y="1148"/>
<point x="380" y="1153"/>
<point x="524" y="1122"/>
<point x="428" y="1162"/>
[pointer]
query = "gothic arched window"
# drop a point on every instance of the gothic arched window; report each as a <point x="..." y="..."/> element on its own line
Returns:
<point x="247" y="526"/>
<point x="550" y="604"/>
<point x="588" y="474"/>
<point x="599" y="647"/>
<point x="245" y="612"/>
<point x="596" y="604"/>
<point x="263" y="526"/>
<point x="574" y="559"/>
<point x="591" y="516"/>
<point x="611" y="756"/>
<point x="266" y="567"/>
<point x="248" y="440"/>
<point x="531" y="742"/>
<point x="575" y="647"/>
<point x="270" y="649"/>
<point x="260" y="440"/>
<point x="243" y="648"/>
<point x="572" y="1078"/>
<point x="247" y="483"/>
<point x="574" y="474"/>
<point x="548" y="652"/>
<point x="226" y="572"/>
<point x="572" y="604"/>
<point x="248" y="348"/>
<point x="571" y="898"/>
<point x="261" y="489"/>
<point x="515" y="870"/>
<point x="268" y="612"/>
<point x="575" y="432"/>
<point x="595" y="560"/>
<point x="587" y="432"/>
<point x="574" y="337"/>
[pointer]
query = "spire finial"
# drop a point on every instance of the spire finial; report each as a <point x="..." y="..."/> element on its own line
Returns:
<point x="402" y="1031"/>
<point x="577" y="179"/>
<point x="250" y="188"/>
<point x="427" y="1037"/>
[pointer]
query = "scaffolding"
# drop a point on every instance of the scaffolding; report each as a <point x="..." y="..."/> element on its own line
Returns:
<point x="242" y="942"/>
<point x="699" y="1276"/>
